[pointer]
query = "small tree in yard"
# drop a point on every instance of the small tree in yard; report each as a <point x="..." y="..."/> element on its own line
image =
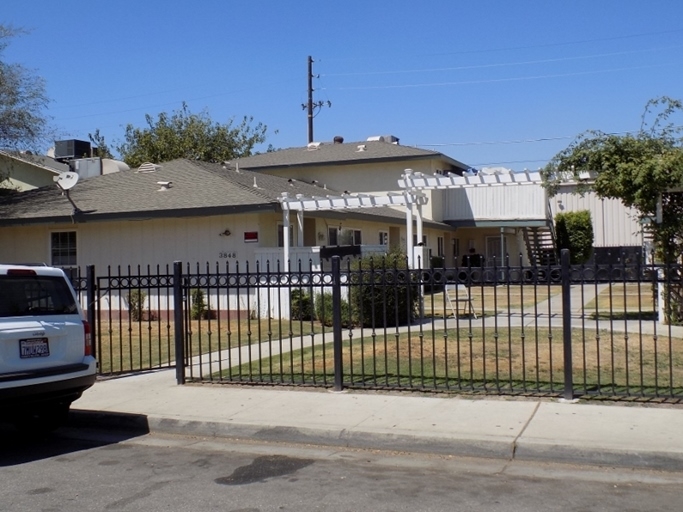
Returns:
<point x="136" y="304"/>
<point x="645" y="171"/>
<point x="198" y="307"/>
<point x="575" y="232"/>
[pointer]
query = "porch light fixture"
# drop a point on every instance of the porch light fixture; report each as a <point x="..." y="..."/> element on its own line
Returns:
<point x="225" y="233"/>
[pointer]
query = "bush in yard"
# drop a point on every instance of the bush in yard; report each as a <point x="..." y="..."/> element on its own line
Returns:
<point x="136" y="304"/>
<point x="575" y="232"/>
<point x="300" y="305"/>
<point x="198" y="308"/>
<point x="383" y="291"/>
<point x="324" y="310"/>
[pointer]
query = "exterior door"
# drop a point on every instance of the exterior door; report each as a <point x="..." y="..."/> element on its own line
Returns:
<point x="496" y="247"/>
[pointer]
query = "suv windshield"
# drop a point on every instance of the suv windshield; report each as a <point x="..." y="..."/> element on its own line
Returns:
<point x="35" y="296"/>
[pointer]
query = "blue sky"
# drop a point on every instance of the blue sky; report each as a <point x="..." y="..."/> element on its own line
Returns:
<point x="488" y="83"/>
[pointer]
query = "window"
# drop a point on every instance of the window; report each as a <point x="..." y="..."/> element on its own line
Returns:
<point x="383" y="238"/>
<point x="424" y="240"/>
<point x="357" y="237"/>
<point x="344" y="236"/>
<point x="63" y="247"/>
<point x="439" y="246"/>
<point x="496" y="247"/>
<point x="35" y="296"/>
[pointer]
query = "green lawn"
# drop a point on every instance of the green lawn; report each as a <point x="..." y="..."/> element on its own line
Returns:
<point x="505" y="358"/>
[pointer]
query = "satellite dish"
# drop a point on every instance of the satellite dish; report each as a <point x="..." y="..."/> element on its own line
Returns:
<point x="66" y="180"/>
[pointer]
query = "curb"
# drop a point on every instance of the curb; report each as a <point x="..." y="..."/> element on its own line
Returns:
<point x="542" y="452"/>
<point x="323" y="437"/>
<point x="478" y="448"/>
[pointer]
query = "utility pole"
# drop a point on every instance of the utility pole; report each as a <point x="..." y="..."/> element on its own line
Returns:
<point x="310" y="99"/>
<point x="311" y="105"/>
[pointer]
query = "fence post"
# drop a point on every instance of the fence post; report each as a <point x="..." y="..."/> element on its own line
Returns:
<point x="337" y="322"/>
<point x="91" y="302"/>
<point x="567" y="325"/>
<point x="178" y="322"/>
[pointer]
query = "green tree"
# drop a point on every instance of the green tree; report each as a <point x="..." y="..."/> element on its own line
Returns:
<point x="643" y="170"/>
<point x="97" y="139"/>
<point x="575" y="232"/>
<point x="23" y="123"/>
<point x="184" y="134"/>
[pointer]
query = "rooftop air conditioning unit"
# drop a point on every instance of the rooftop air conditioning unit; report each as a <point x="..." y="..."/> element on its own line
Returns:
<point x="72" y="148"/>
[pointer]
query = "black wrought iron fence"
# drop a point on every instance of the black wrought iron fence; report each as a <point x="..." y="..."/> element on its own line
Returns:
<point x="130" y="311"/>
<point x="561" y="330"/>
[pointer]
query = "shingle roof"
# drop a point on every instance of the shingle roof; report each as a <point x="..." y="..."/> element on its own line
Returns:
<point x="197" y="188"/>
<point x="339" y="154"/>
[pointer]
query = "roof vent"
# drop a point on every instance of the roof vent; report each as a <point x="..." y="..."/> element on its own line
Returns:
<point x="338" y="139"/>
<point x="361" y="147"/>
<point x="165" y="185"/>
<point x="148" y="167"/>
<point x="313" y="145"/>
<point x="391" y="139"/>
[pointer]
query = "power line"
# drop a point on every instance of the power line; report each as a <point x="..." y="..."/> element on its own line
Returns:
<point x="497" y="142"/>
<point x="486" y="164"/>
<point x="501" y="64"/>
<point x="513" y="48"/>
<point x="523" y="141"/>
<point x="496" y="80"/>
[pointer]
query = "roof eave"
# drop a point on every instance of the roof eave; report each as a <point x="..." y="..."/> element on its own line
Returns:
<point x="81" y="218"/>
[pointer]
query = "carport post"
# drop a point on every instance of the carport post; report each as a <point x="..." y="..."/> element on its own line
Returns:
<point x="178" y="322"/>
<point x="336" y="323"/>
<point x="567" y="325"/>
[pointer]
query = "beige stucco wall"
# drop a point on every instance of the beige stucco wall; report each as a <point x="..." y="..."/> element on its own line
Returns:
<point x="145" y="242"/>
<point x="373" y="178"/>
<point x="194" y="239"/>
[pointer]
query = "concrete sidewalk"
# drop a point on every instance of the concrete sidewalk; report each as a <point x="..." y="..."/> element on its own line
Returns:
<point x="623" y="435"/>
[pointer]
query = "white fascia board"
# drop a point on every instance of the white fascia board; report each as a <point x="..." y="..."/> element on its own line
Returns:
<point x="420" y="181"/>
<point x="317" y="203"/>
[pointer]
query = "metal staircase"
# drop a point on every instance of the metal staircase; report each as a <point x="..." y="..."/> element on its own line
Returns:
<point x="540" y="246"/>
<point x="541" y="241"/>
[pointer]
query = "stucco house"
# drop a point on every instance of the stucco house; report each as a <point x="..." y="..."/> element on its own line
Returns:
<point x="181" y="210"/>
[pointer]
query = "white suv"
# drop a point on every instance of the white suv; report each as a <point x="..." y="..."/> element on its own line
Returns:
<point x="46" y="357"/>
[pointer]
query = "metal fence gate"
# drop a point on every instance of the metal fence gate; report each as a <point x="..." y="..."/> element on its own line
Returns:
<point x="561" y="330"/>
